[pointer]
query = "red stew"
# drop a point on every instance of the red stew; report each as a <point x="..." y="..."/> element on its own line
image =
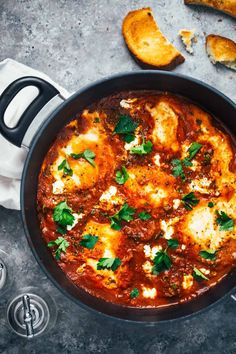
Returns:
<point x="136" y="199"/>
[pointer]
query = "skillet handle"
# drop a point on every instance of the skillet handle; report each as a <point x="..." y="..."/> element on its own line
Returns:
<point x="46" y="93"/>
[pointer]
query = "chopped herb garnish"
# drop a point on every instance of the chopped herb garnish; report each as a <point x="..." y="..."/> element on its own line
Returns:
<point x="88" y="241"/>
<point x="225" y="222"/>
<point x="108" y="263"/>
<point x="62" y="215"/>
<point x="143" y="149"/>
<point x="209" y="254"/>
<point x="161" y="262"/>
<point x="96" y="120"/>
<point x="125" y="213"/>
<point x="126" y="127"/>
<point x="122" y="175"/>
<point x="173" y="243"/>
<point x="177" y="170"/>
<point x="198" y="275"/>
<point x="189" y="200"/>
<point x="61" y="230"/>
<point x="193" y="150"/>
<point x="87" y="155"/>
<point x="210" y="205"/>
<point x="144" y="215"/>
<point x="62" y="246"/>
<point x="64" y="165"/>
<point x="134" y="293"/>
<point x="128" y="137"/>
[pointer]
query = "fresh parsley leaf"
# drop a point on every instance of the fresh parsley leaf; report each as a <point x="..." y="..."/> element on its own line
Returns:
<point x="87" y="155"/>
<point x="177" y="164"/>
<point x="88" y="241"/>
<point x="108" y="263"/>
<point x="62" y="215"/>
<point x="225" y="222"/>
<point x="209" y="254"/>
<point x="198" y="275"/>
<point x="122" y="175"/>
<point x="186" y="162"/>
<point x="173" y="243"/>
<point x="64" y="165"/>
<point x="62" y="246"/>
<point x="193" y="150"/>
<point x="134" y="293"/>
<point x="177" y="170"/>
<point x="189" y="200"/>
<point x="125" y="213"/>
<point x="128" y="137"/>
<point x="210" y="205"/>
<point x="144" y="215"/>
<point x="162" y="262"/>
<point x="126" y="125"/>
<point x="115" y="223"/>
<point x="61" y="230"/>
<point x="96" y="120"/>
<point x="143" y="149"/>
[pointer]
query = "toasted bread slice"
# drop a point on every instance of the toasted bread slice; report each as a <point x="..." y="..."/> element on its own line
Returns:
<point x="147" y="43"/>
<point x="227" y="6"/>
<point x="188" y="36"/>
<point x="221" y="50"/>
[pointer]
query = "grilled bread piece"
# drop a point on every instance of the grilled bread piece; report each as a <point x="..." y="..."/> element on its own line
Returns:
<point x="147" y="43"/>
<point x="188" y="36"/>
<point x="221" y="50"/>
<point x="227" y="6"/>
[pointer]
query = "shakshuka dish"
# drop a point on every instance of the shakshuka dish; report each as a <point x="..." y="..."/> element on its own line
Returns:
<point x="137" y="202"/>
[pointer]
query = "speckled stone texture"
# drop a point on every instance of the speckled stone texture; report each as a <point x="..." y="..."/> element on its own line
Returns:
<point x="77" y="42"/>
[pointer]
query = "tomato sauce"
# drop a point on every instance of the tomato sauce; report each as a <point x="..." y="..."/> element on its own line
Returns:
<point x="155" y="187"/>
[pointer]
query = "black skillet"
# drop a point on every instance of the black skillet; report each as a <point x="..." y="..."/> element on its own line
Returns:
<point x="37" y="129"/>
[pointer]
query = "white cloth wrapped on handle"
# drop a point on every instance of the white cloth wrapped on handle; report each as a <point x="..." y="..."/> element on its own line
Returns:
<point x="11" y="157"/>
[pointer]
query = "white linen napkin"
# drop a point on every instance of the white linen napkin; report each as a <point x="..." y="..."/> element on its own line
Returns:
<point x="11" y="157"/>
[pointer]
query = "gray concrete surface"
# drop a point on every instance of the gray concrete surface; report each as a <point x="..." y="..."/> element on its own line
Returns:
<point x="77" y="42"/>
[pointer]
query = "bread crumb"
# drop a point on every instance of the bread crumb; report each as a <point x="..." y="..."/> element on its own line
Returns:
<point x="188" y="37"/>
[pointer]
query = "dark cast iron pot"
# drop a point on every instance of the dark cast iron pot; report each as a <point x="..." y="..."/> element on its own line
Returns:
<point x="38" y="128"/>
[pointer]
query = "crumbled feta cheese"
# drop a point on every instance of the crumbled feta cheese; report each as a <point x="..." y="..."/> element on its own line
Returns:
<point x="147" y="267"/>
<point x="149" y="293"/>
<point x="150" y="252"/>
<point x="183" y="247"/>
<point x="200" y="185"/>
<point x="176" y="203"/>
<point x="68" y="149"/>
<point x="156" y="159"/>
<point x="77" y="217"/>
<point x="135" y="142"/>
<point x="167" y="229"/>
<point x="127" y="103"/>
<point x="205" y="271"/>
<point x="108" y="194"/>
<point x="187" y="282"/>
<point x="57" y="187"/>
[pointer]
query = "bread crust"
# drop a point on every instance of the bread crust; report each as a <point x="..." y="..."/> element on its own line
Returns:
<point x="138" y="27"/>
<point x="221" y="50"/>
<point x="227" y="6"/>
